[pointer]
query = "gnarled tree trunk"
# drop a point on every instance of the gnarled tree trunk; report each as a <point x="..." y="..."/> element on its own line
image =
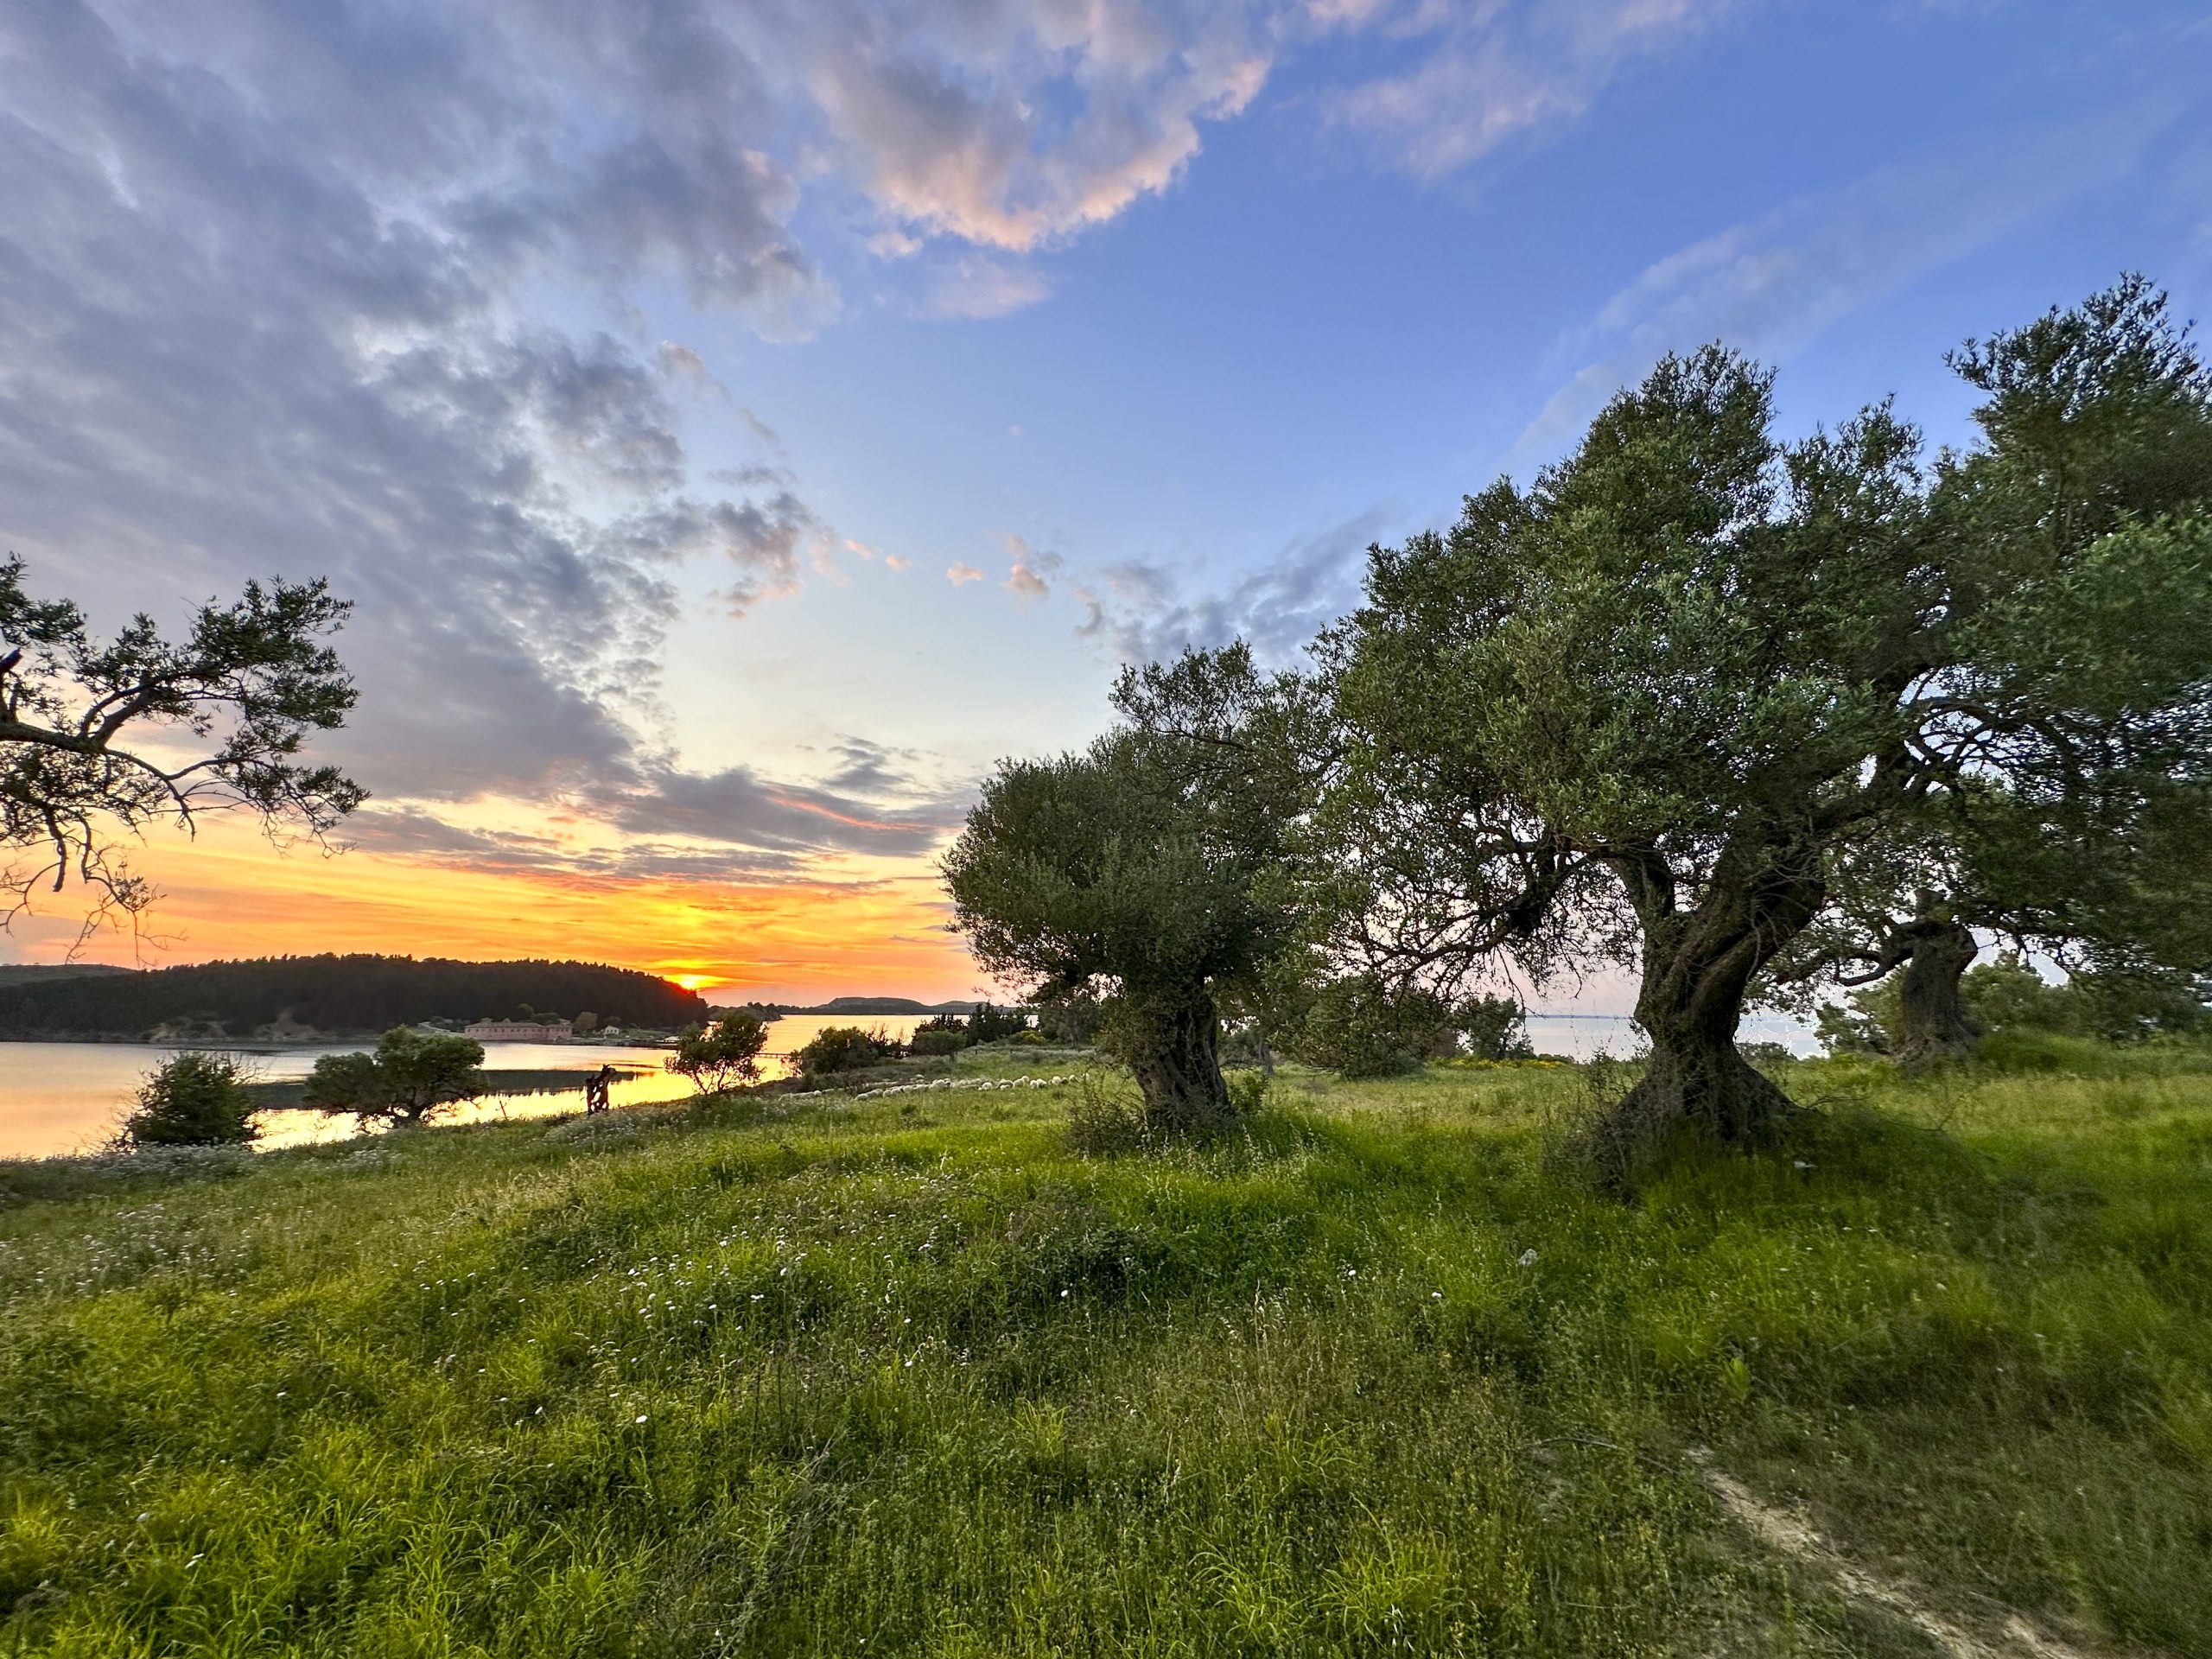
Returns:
<point x="1933" y="1023"/>
<point x="1172" y="1047"/>
<point x="1698" y="965"/>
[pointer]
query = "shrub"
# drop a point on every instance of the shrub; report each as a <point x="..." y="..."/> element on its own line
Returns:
<point x="194" y="1100"/>
<point x="1358" y="1028"/>
<point x="843" y="1048"/>
<point x="725" y="1053"/>
<point x="932" y="1038"/>
<point x="991" y="1025"/>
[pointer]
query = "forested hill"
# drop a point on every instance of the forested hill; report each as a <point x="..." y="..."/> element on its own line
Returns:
<point x="336" y="995"/>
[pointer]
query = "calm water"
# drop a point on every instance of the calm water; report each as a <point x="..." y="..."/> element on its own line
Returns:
<point x="58" y="1097"/>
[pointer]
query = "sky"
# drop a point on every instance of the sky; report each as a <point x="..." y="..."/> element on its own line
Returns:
<point x="739" y="423"/>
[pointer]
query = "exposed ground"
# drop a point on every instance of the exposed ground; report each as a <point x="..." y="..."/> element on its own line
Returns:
<point x="913" y="1376"/>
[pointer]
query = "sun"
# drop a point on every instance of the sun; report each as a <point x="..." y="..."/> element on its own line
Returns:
<point x="695" y="982"/>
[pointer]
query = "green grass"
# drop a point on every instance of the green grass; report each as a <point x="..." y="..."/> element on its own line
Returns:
<point x="912" y="1377"/>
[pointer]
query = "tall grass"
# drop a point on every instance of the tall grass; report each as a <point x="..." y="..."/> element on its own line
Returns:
<point x="916" y="1377"/>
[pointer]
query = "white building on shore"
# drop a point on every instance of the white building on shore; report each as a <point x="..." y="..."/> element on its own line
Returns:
<point x="519" y="1031"/>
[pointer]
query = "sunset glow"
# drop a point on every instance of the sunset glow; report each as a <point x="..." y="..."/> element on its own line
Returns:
<point x="855" y="928"/>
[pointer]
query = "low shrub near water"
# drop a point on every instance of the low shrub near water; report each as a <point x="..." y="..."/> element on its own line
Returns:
<point x="194" y="1100"/>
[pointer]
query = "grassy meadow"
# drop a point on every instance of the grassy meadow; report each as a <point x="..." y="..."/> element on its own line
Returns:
<point x="913" y="1376"/>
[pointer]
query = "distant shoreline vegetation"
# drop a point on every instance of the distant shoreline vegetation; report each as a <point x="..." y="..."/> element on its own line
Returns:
<point x="295" y="999"/>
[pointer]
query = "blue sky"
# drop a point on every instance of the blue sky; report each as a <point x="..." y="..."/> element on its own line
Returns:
<point x="648" y="373"/>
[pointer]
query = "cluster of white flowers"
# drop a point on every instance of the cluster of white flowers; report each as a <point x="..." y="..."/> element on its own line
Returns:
<point x="963" y="1083"/>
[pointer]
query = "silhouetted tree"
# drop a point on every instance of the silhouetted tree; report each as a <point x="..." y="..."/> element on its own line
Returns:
<point x="100" y="739"/>
<point x="412" y="1077"/>
<point x="720" y="1055"/>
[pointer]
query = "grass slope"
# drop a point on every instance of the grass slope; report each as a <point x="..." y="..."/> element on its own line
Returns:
<point x="895" y="1380"/>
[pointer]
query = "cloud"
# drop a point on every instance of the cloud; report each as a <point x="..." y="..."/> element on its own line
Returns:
<point x="1773" y="284"/>
<point x="978" y="288"/>
<point x="1013" y="124"/>
<point x="650" y="819"/>
<point x="1486" y="73"/>
<point x="1141" y="613"/>
<point x="1028" y="580"/>
<point x="958" y="574"/>
<point x="262" y="285"/>
<point x="897" y="562"/>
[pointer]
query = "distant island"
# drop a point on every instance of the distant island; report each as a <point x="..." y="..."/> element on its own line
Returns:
<point x="901" y="1005"/>
<point x="304" y="999"/>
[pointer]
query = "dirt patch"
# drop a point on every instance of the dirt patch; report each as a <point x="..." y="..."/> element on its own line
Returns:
<point x="1795" y="1537"/>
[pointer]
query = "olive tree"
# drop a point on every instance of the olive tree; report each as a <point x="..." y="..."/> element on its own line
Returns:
<point x="2097" y="424"/>
<point x="1147" y="870"/>
<point x="1643" y="710"/>
<point x="412" y="1076"/>
<point x="719" y="1056"/>
<point x="101" y="738"/>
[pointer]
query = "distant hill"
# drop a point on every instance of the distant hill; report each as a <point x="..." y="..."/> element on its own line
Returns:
<point x="333" y="995"/>
<point x="860" y="1005"/>
<point x="32" y="973"/>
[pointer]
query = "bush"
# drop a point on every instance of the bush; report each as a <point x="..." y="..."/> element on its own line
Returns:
<point x="194" y="1100"/>
<point x="718" y="1056"/>
<point x="1358" y="1028"/>
<point x="843" y="1048"/>
<point x="992" y="1025"/>
<point x="932" y="1038"/>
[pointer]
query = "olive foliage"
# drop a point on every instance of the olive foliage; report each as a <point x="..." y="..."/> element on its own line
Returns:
<point x="1147" y="870"/>
<point x="1649" y="709"/>
<point x="100" y="739"/>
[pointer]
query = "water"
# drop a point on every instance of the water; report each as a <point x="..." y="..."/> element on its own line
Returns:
<point x="63" y="1098"/>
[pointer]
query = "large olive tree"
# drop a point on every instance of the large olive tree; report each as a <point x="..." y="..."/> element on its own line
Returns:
<point x="1645" y="710"/>
<point x="2096" y="419"/>
<point x="1147" y="870"/>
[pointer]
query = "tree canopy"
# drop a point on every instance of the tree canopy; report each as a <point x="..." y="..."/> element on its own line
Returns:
<point x="100" y="739"/>
<point x="1146" y="870"/>
<point x="412" y="1077"/>
<point x="1647" y="709"/>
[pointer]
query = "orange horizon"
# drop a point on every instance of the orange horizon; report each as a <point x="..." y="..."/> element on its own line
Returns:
<point x="853" y="927"/>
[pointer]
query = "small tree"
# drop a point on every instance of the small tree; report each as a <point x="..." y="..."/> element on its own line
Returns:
<point x="990" y="1025"/>
<point x="412" y="1077"/>
<point x="1359" y="1027"/>
<point x="1071" y="1019"/>
<point x="1495" y="1026"/>
<point x="194" y="1100"/>
<point x="1144" y="872"/>
<point x="100" y="739"/>
<point x="584" y="1024"/>
<point x="722" y="1055"/>
<point x="843" y="1048"/>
